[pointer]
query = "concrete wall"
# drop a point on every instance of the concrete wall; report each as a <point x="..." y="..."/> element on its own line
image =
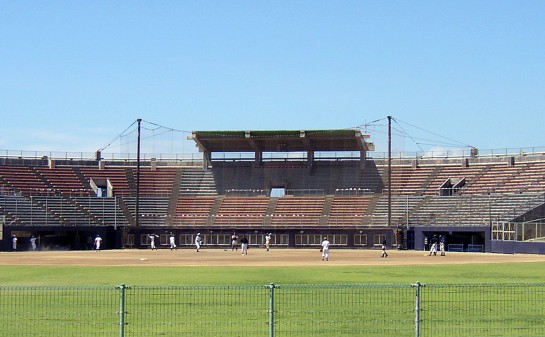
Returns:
<point x="517" y="247"/>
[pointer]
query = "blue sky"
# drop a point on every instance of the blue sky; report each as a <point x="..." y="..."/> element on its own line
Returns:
<point x="75" y="74"/>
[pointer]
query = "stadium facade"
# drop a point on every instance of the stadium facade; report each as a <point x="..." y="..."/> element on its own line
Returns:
<point x="298" y="185"/>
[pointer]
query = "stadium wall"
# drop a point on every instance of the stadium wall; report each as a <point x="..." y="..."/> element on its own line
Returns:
<point x="517" y="247"/>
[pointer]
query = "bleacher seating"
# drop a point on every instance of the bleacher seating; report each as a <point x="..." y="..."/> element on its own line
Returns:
<point x="193" y="211"/>
<point x="105" y="211"/>
<point x="63" y="209"/>
<point x="117" y="176"/>
<point x="197" y="182"/>
<point x="298" y="211"/>
<point x="194" y="196"/>
<point x="348" y="210"/>
<point x="246" y="211"/>
<point x="158" y="182"/>
<point x="24" y="180"/>
<point x="408" y="180"/>
<point x="64" y="180"/>
<point x="451" y="172"/>
<point x="471" y="209"/>
<point x="401" y="206"/>
<point x="24" y="211"/>
<point x="491" y="178"/>
<point x="153" y="210"/>
<point x="528" y="178"/>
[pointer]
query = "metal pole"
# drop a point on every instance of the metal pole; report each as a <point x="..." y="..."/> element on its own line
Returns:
<point x="122" y="312"/>
<point x="137" y="210"/>
<point x="417" y="319"/>
<point x="407" y="212"/>
<point x="115" y="213"/>
<point x="271" y="312"/>
<point x="389" y="170"/>
<point x="489" y="209"/>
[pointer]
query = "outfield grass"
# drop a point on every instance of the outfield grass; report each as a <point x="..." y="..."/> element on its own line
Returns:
<point x="244" y="275"/>
<point x="158" y="306"/>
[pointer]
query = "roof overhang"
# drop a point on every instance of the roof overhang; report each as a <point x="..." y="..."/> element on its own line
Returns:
<point x="282" y="141"/>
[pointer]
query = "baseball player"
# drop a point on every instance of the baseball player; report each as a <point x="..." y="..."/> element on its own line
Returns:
<point x="384" y="253"/>
<point x="198" y="241"/>
<point x="244" y="245"/>
<point x="14" y="242"/>
<point x="325" y="249"/>
<point x="33" y="242"/>
<point x="433" y="248"/>
<point x="442" y="245"/>
<point x="98" y="242"/>
<point x="267" y="241"/>
<point x="234" y="242"/>
<point x="152" y="240"/>
<point x="172" y="241"/>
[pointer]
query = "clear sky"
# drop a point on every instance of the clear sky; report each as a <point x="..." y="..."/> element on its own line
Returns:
<point x="75" y="74"/>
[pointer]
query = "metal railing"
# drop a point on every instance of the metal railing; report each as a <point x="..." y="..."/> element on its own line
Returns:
<point x="190" y="157"/>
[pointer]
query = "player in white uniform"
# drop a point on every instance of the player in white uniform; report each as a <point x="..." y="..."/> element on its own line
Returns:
<point x="152" y="240"/>
<point x="433" y="249"/>
<point x="325" y="249"/>
<point x="198" y="241"/>
<point x="172" y="241"/>
<point x="268" y="241"/>
<point x="234" y="242"/>
<point x="98" y="242"/>
<point x="33" y="242"/>
<point x="14" y="242"/>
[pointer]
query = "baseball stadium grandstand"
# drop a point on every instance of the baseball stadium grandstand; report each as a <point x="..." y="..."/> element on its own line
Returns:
<point x="319" y="182"/>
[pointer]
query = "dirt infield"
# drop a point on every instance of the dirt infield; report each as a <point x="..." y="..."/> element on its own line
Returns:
<point x="256" y="257"/>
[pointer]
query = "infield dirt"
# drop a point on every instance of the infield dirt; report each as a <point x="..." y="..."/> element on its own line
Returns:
<point x="255" y="257"/>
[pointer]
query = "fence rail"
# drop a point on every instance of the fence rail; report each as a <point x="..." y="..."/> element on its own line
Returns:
<point x="275" y="310"/>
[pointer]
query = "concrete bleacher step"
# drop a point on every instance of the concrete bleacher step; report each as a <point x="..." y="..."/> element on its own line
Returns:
<point x="173" y="201"/>
<point x="194" y="181"/>
<point x="129" y="216"/>
<point x="131" y="180"/>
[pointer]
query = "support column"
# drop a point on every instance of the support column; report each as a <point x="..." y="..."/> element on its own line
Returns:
<point x="206" y="160"/>
<point x="258" y="158"/>
<point x="363" y="159"/>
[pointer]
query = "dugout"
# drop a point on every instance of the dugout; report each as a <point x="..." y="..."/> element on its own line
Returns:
<point x="468" y="238"/>
<point x="61" y="238"/>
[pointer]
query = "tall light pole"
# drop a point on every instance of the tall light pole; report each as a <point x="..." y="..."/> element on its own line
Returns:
<point x="137" y="210"/>
<point x="389" y="170"/>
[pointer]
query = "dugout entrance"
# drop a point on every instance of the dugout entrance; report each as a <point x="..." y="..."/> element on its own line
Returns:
<point x="461" y="239"/>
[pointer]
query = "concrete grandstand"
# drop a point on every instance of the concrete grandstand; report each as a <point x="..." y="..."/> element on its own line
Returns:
<point x="298" y="185"/>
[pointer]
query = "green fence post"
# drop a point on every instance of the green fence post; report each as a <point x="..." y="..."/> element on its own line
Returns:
<point x="122" y="312"/>
<point x="271" y="309"/>
<point x="418" y="308"/>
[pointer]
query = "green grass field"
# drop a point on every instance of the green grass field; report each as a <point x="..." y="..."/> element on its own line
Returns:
<point x="174" y="301"/>
<point x="152" y="276"/>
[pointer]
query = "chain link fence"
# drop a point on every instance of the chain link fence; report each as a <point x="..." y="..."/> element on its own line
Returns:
<point x="275" y="310"/>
